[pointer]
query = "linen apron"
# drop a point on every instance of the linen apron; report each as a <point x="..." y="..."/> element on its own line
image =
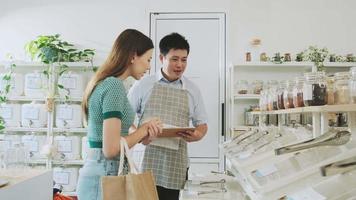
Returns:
<point x="167" y="157"/>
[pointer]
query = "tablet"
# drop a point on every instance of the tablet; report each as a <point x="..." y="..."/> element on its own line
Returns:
<point x="172" y="132"/>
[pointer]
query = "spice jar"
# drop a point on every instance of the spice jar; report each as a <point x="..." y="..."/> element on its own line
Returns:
<point x="280" y="91"/>
<point x="257" y="86"/>
<point x="352" y="85"/>
<point x="242" y="87"/>
<point x="342" y="90"/>
<point x="288" y="95"/>
<point x="248" y="56"/>
<point x="330" y="90"/>
<point x="314" y="89"/>
<point x="263" y="57"/>
<point x="298" y="92"/>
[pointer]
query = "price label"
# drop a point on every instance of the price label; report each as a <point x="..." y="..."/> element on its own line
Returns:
<point x="64" y="146"/>
<point x="6" y="112"/>
<point x="65" y="113"/>
<point x="31" y="113"/>
<point x="69" y="82"/>
<point x="61" y="178"/>
<point x="306" y="194"/>
<point x="33" y="82"/>
<point x="30" y="143"/>
<point x="267" y="170"/>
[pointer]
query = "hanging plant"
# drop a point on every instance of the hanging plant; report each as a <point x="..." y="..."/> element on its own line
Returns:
<point x="51" y="49"/>
<point x="317" y="56"/>
<point x="5" y="90"/>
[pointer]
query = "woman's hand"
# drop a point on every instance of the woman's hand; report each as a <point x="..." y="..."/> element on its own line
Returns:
<point x="154" y="128"/>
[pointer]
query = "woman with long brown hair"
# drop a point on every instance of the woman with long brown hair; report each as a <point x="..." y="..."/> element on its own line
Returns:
<point x="108" y="111"/>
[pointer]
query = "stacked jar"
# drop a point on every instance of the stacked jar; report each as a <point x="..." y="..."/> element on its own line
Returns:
<point x="298" y="92"/>
<point x="280" y="91"/>
<point x="342" y="90"/>
<point x="330" y="90"/>
<point x="314" y="89"/>
<point x="352" y="85"/>
<point x="288" y="95"/>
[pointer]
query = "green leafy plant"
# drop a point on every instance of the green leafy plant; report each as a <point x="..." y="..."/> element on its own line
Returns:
<point x="51" y="49"/>
<point x="317" y="56"/>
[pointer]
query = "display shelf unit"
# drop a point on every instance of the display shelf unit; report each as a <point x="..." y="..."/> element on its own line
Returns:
<point x="83" y="69"/>
<point x="299" y="179"/>
<point x="256" y="71"/>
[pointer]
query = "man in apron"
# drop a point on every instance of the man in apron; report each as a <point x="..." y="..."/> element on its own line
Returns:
<point x="177" y="101"/>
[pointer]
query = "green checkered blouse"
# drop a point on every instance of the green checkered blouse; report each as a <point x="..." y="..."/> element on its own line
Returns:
<point x="108" y="100"/>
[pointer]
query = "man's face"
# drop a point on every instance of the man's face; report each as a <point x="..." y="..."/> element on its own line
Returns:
<point x="174" y="63"/>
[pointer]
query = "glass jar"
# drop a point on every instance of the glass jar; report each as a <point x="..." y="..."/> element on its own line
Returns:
<point x="342" y="90"/>
<point x="280" y="91"/>
<point x="330" y="90"/>
<point x="257" y="86"/>
<point x="269" y="99"/>
<point x="314" y="89"/>
<point x="272" y="95"/>
<point x="263" y="100"/>
<point x="288" y="95"/>
<point x="352" y="85"/>
<point x="242" y="87"/>
<point x="298" y="92"/>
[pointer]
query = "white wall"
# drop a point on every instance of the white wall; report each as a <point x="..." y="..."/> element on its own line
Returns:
<point x="283" y="25"/>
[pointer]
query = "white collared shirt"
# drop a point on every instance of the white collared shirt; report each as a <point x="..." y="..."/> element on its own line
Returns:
<point x="140" y="92"/>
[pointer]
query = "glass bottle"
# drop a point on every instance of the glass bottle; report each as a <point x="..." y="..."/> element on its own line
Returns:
<point x="330" y="90"/>
<point x="314" y="89"/>
<point x="280" y="93"/>
<point x="298" y="92"/>
<point x="342" y="90"/>
<point x="288" y="95"/>
<point x="352" y="85"/>
<point x="272" y="95"/>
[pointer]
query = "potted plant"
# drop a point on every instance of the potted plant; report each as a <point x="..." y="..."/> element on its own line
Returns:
<point x="50" y="49"/>
<point x="317" y="56"/>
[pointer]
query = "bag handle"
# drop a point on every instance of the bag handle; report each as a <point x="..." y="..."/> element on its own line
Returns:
<point x="125" y="150"/>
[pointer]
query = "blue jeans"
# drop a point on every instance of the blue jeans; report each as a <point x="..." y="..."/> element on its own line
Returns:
<point x="95" y="166"/>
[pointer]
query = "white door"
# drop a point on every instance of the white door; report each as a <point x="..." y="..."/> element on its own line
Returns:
<point x="205" y="33"/>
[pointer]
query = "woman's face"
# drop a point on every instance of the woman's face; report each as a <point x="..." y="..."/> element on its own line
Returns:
<point x="140" y="64"/>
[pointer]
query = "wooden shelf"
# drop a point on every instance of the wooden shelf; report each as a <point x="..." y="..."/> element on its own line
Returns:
<point x="311" y="109"/>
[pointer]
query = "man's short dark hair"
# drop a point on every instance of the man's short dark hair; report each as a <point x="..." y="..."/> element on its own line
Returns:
<point x="173" y="41"/>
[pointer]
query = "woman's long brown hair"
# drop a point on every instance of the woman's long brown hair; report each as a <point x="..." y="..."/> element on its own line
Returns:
<point x="128" y="44"/>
